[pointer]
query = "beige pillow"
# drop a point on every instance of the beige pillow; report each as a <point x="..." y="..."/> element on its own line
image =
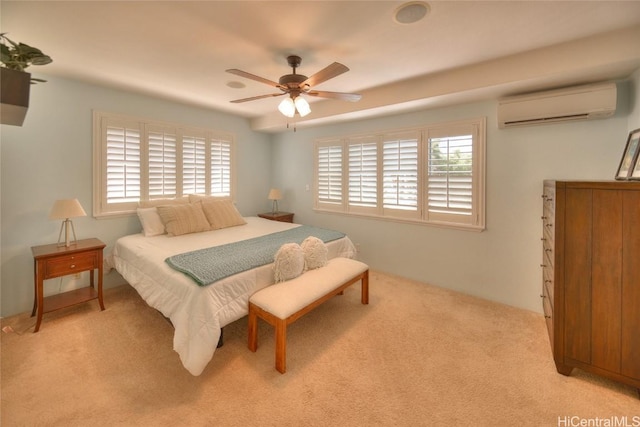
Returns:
<point x="162" y="202"/>
<point x="288" y="262"/>
<point x="221" y="213"/>
<point x="315" y="252"/>
<point x="181" y="219"/>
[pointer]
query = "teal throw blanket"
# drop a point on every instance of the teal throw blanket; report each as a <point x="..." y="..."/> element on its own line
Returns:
<point x="209" y="265"/>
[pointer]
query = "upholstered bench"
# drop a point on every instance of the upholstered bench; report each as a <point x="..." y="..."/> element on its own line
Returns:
<point x="284" y="303"/>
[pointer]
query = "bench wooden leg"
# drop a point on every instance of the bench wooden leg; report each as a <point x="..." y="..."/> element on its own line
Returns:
<point x="253" y="330"/>
<point x="281" y="345"/>
<point x="365" y="287"/>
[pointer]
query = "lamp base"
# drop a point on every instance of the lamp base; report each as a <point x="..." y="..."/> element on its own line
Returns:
<point x="274" y="207"/>
<point x="66" y="224"/>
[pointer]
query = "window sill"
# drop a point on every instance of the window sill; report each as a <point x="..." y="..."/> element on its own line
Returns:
<point x="439" y="224"/>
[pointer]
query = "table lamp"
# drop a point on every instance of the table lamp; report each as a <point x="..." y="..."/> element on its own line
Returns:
<point x="275" y="195"/>
<point x="65" y="209"/>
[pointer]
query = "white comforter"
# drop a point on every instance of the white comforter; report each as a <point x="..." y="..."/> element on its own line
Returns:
<point x="197" y="312"/>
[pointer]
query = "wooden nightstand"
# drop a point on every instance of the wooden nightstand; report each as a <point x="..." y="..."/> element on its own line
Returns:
<point x="51" y="261"/>
<point x="277" y="216"/>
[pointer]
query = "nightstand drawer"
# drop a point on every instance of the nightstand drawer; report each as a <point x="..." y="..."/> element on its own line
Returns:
<point x="70" y="264"/>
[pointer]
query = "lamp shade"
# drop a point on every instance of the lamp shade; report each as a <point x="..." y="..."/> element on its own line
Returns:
<point x="66" y="208"/>
<point x="287" y="107"/>
<point x="302" y="106"/>
<point x="275" y="194"/>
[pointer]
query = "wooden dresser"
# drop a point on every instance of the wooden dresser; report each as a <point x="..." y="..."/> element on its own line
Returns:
<point x="591" y="277"/>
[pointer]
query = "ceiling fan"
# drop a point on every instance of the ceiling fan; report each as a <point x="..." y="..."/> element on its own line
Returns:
<point x="297" y="84"/>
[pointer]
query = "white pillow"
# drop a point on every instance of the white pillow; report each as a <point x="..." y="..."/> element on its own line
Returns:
<point x="288" y="262"/>
<point x="151" y="223"/>
<point x="315" y="252"/>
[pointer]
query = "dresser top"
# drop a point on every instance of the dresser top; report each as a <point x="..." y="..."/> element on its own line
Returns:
<point x="604" y="185"/>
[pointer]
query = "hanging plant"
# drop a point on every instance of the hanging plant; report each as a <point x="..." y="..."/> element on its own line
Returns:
<point x="19" y="56"/>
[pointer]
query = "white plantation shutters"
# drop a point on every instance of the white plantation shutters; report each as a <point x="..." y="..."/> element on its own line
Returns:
<point x="451" y="174"/>
<point x="454" y="174"/>
<point x="431" y="175"/>
<point x="400" y="173"/>
<point x="220" y="167"/>
<point x="141" y="160"/>
<point x="329" y="170"/>
<point x="163" y="164"/>
<point x="194" y="163"/>
<point x="363" y="175"/>
<point x="122" y="162"/>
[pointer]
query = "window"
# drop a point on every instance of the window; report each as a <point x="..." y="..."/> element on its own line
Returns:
<point x="138" y="159"/>
<point x="431" y="175"/>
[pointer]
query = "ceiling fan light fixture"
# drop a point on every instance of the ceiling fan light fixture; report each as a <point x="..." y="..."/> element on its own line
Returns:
<point x="295" y="84"/>
<point x="302" y="106"/>
<point x="287" y="107"/>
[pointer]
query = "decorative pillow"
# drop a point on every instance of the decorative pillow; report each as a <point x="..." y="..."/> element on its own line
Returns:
<point x="161" y="202"/>
<point x="183" y="218"/>
<point x="288" y="262"/>
<point x="221" y="213"/>
<point x="315" y="252"/>
<point x="151" y="223"/>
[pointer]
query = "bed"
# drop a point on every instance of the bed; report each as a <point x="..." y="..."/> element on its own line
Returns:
<point x="199" y="312"/>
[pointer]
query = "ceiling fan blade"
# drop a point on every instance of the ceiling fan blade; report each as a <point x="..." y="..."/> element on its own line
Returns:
<point x="325" y="74"/>
<point x="353" y="97"/>
<point x="254" y="77"/>
<point x="253" y="98"/>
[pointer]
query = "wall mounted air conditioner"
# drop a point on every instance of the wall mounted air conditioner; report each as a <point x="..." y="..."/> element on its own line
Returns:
<point x="595" y="101"/>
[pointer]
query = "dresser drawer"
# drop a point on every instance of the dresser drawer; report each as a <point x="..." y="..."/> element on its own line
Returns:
<point x="70" y="264"/>
<point x="548" y="315"/>
<point x="547" y="283"/>
<point x="547" y="254"/>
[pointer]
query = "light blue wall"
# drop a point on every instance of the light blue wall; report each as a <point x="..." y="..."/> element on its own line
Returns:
<point x="50" y="157"/>
<point x="501" y="263"/>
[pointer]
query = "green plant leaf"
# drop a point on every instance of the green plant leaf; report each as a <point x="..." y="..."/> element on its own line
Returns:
<point x="18" y="56"/>
<point x="41" y="60"/>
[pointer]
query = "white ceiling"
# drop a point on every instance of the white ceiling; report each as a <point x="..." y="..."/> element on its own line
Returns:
<point x="461" y="51"/>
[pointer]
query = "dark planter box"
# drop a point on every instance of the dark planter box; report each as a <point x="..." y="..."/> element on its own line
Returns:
<point x="14" y="96"/>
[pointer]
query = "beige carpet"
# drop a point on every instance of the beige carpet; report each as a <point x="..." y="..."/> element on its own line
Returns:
<point x="416" y="356"/>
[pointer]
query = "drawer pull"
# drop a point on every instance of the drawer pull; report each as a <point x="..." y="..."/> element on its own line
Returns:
<point x="543" y="265"/>
<point x="548" y="250"/>
<point x="549" y="225"/>
<point x="72" y="266"/>
<point x="542" y="296"/>
<point x="546" y="316"/>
